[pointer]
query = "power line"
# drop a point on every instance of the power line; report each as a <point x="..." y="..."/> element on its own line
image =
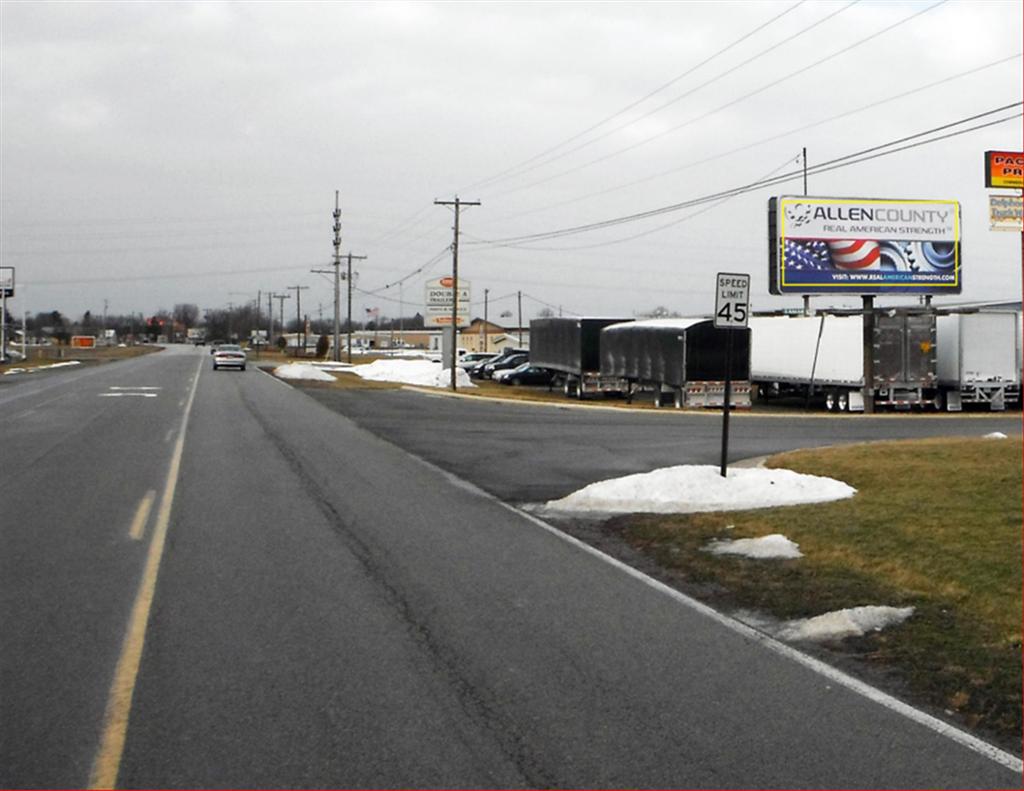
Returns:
<point x="725" y="106"/>
<point x="649" y="231"/>
<point x="627" y="108"/>
<point x="762" y="141"/>
<point x="844" y="161"/>
<point x="419" y="270"/>
<point x="773" y="48"/>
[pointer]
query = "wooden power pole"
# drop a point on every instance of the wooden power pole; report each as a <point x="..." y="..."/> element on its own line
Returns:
<point x="458" y="204"/>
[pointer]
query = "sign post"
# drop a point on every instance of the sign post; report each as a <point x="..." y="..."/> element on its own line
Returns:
<point x="732" y="312"/>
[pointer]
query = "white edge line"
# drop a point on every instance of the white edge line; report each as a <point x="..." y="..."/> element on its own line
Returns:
<point x="275" y="378"/>
<point x="838" y="677"/>
<point x="821" y="668"/>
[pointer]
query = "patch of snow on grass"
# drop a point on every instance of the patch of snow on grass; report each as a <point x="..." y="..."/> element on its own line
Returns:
<point x="700" y="488"/>
<point x="995" y="435"/>
<point x="852" y="622"/>
<point x="764" y="548"/>
<point x="413" y="372"/>
<point x="302" y="371"/>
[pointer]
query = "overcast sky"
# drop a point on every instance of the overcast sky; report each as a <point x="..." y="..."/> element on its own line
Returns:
<point x="156" y="153"/>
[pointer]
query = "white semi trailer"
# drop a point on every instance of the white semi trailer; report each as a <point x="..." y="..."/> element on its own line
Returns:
<point x="979" y="360"/>
<point x="823" y="356"/>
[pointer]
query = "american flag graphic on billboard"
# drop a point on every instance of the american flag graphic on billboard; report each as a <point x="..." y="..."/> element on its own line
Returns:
<point x="807" y="256"/>
<point x="860" y="254"/>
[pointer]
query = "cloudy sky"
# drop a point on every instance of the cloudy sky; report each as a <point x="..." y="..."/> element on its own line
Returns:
<point x="156" y="153"/>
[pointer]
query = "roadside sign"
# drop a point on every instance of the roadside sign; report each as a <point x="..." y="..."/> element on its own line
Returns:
<point x="732" y="312"/>
<point x="732" y="301"/>
<point x="1004" y="169"/>
<point x="7" y="280"/>
<point x="1006" y="213"/>
<point x="438" y="300"/>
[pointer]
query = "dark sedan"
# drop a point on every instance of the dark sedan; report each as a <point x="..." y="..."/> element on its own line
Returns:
<point x="487" y="370"/>
<point x="527" y="374"/>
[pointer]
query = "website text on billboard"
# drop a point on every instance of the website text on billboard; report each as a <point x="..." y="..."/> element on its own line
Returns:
<point x="863" y="245"/>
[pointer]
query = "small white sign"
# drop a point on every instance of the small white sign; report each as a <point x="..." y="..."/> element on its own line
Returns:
<point x="438" y="300"/>
<point x="1005" y="213"/>
<point x="7" y="280"/>
<point x="732" y="301"/>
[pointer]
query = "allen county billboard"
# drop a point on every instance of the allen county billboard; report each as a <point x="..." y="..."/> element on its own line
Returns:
<point x="863" y="246"/>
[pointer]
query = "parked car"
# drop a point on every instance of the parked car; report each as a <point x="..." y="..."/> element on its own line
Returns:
<point x="502" y="364"/>
<point x="229" y="355"/>
<point x="470" y="360"/>
<point x="525" y="374"/>
<point x="481" y="372"/>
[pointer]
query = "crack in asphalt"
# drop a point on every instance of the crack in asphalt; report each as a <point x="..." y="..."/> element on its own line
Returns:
<point x="506" y="733"/>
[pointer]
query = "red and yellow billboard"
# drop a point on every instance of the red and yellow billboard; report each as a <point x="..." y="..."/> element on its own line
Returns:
<point x="1004" y="169"/>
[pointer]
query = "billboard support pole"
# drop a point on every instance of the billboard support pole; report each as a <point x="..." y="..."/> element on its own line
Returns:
<point x="869" y="354"/>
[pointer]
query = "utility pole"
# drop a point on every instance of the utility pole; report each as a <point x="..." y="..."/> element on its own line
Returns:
<point x="483" y="329"/>
<point x="298" y="312"/>
<point x="458" y="204"/>
<point x="338" y="277"/>
<point x="270" y="314"/>
<point x="280" y="302"/>
<point x="337" y="272"/>
<point x="348" y="277"/>
<point x="807" y="297"/>
<point x="520" y="319"/>
<point x="336" y="346"/>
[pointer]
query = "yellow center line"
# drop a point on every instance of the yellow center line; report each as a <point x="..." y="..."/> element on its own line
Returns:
<point x="119" y="702"/>
<point x="142" y="515"/>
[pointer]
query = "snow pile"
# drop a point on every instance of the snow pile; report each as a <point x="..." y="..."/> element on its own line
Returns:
<point x="836" y="625"/>
<point x="766" y="547"/>
<point x="692" y="488"/>
<point x="413" y="372"/>
<point x="302" y="371"/>
<point x="41" y="367"/>
<point x="330" y="365"/>
<point x="995" y="435"/>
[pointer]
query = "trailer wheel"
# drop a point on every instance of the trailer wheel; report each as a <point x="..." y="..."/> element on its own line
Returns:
<point x="830" y="400"/>
<point x="843" y="401"/>
<point x="679" y="399"/>
<point x="567" y="387"/>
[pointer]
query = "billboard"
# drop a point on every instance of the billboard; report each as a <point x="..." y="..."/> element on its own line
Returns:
<point x="1004" y="169"/>
<point x="863" y="246"/>
<point x="7" y="281"/>
<point x="438" y="299"/>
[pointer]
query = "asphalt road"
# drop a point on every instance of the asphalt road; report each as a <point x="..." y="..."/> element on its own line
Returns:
<point x="527" y="453"/>
<point x="332" y="611"/>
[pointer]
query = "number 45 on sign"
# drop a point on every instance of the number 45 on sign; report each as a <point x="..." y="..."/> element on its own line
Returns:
<point x="732" y="300"/>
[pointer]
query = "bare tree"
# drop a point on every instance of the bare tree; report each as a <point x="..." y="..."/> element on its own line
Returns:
<point x="186" y="314"/>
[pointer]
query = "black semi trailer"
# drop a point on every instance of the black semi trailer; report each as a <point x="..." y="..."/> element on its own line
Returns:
<point x="571" y="348"/>
<point x="683" y="361"/>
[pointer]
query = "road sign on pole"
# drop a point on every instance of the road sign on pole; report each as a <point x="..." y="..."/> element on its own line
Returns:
<point x="732" y="301"/>
<point x="732" y="312"/>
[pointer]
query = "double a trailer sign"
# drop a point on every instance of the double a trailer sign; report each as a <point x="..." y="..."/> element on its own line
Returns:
<point x="438" y="301"/>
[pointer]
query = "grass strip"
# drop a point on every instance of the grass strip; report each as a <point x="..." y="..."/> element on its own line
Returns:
<point x="936" y="525"/>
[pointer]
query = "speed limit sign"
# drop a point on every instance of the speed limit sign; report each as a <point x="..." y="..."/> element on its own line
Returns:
<point x="732" y="301"/>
